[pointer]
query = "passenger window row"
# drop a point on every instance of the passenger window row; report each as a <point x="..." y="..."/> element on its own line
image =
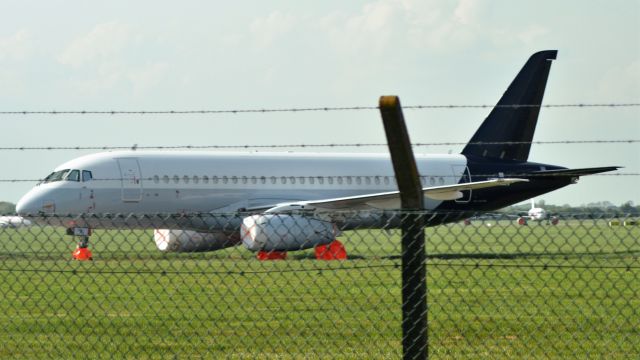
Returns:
<point x="312" y="180"/>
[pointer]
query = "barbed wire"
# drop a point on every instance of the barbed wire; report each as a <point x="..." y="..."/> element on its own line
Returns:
<point x="312" y="109"/>
<point x="331" y="145"/>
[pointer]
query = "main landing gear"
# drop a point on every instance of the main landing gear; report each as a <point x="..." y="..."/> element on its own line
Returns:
<point x="82" y="252"/>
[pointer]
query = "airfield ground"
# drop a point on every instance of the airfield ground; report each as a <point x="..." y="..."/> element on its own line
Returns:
<point x="504" y="291"/>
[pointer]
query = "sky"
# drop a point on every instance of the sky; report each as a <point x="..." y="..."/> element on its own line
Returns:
<point x="206" y="55"/>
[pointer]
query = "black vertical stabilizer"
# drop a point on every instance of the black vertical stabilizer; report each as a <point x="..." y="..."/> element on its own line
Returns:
<point x="509" y="123"/>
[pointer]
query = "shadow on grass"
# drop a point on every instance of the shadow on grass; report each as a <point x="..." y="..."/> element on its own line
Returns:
<point x="311" y="256"/>
<point x="528" y="255"/>
<point x="6" y="255"/>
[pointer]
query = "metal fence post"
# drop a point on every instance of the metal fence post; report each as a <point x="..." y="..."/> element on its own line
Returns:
<point x="414" y="285"/>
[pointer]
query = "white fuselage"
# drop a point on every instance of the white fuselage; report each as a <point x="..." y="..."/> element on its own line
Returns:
<point x="536" y="213"/>
<point x="180" y="182"/>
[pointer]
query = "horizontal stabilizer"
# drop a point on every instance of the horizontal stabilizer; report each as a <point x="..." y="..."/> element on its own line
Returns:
<point x="575" y="172"/>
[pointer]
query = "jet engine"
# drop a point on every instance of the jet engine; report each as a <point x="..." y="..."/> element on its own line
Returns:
<point x="273" y="232"/>
<point x="171" y="240"/>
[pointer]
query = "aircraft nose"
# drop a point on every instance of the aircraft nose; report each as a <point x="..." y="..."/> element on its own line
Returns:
<point x="22" y="206"/>
<point x="28" y="204"/>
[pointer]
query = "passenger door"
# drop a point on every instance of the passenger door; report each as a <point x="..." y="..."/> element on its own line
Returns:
<point x="131" y="179"/>
<point x="86" y="192"/>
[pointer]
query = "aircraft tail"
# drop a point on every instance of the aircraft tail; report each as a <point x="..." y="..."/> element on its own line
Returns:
<point x="508" y="130"/>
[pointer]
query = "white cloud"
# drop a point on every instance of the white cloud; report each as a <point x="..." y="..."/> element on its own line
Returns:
<point x="466" y="11"/>
<point x="15" y="47"/>
<point x="419" y="24"/>
<point x="375" y="17"/>
<point x="104" y="62"/>
<point x="148" y="78"/>
<point x="267" y="30"/>
<point x="106" y="77"/>
<point x="531" y="34"/>
<point x="372" y="28"/>
<point x="103" y="42"/>
<point x="621" y="83"/>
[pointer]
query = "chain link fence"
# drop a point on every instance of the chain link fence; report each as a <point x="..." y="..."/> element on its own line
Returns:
<point x="567" y="287"/>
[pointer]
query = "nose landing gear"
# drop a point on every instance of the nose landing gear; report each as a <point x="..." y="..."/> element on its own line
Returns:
<point x="82" y="252"/>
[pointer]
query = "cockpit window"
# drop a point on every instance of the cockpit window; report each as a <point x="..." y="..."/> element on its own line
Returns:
<point x="74" y="175"/>
<point x="56" y="176"/>
<point x="68" y="175"/>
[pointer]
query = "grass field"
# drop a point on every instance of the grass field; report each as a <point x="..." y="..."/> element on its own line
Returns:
<point x="505" y="291"/>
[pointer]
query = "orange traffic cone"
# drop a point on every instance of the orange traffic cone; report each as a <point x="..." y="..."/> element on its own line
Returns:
<point x="271" y="255"/>
<point x="332" y="251"/>
<point x="82" y="254"/>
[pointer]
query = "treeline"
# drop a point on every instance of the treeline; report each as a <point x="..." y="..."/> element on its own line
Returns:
<point x="627" y="208"/>
<point x="7" y="208"/>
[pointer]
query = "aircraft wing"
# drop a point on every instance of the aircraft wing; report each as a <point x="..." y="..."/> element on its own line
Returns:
<point x="389" y="200"/>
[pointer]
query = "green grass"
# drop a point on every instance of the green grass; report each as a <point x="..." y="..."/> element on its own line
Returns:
<point x="494" y="292"/>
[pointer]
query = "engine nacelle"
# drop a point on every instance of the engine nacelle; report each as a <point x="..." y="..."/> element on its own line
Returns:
<point x="169" y="240"/>
<point x="273" y="232"/>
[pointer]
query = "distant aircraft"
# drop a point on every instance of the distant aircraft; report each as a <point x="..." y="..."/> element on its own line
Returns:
<point x="286" y="201"/>
<point x="13" y="222"/>
<point x="537" y="214"/>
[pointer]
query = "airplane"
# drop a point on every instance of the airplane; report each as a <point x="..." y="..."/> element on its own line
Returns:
<point x="14" y="222"/>
<point x="205" y="201"/>
<point x="537" y="214"/>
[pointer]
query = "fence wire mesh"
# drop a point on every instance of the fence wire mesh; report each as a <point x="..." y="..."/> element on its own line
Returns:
<point x="566" y="287"/>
